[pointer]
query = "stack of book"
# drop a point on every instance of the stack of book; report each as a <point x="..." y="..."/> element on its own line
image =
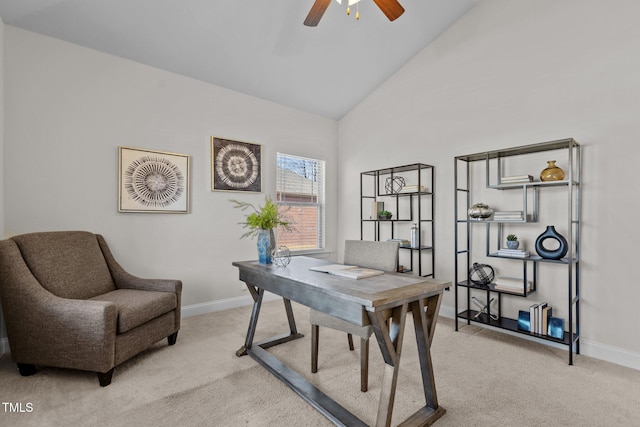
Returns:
<point x="516" y="179"/>
<point x="508" y="216"/>
<point x="511" y="284"/>
<point x="513" y="253"/>
<point x="540" y="313"/>
<point x="412" y="189"/>
<point x="402" y="242"/>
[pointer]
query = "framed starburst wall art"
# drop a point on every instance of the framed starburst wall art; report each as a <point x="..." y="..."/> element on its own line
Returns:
<point x="152" y="181"/>
<point x="235" y="166"/>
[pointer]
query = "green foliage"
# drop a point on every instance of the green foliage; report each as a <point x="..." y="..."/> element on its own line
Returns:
<point x="384" y="213"/>
<point x="262" y="218"/>
<point x="512" y="237"/>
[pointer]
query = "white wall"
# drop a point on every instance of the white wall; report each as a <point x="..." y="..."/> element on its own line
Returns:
<point x="508" y="73"/>
<point x="67" y="110"/>
<point x="513" y="73"/>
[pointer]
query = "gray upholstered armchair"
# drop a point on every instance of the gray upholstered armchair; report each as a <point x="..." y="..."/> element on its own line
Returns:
<point x="67" y="303"/>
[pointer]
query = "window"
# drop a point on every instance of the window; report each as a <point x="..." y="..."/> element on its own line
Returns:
<point x="300" y="197"/>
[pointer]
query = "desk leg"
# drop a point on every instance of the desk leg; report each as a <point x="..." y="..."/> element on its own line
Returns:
<point x="257" y="294"/>
<point x="389" y="337"/>
<point x="390" y="342"/>
<point x="425" y="324"/>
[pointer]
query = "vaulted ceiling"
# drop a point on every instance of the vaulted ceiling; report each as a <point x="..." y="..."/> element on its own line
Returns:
<point x="257" y="47"/>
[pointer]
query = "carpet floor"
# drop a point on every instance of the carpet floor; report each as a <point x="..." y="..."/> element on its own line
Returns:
<point x="483" y="378"/>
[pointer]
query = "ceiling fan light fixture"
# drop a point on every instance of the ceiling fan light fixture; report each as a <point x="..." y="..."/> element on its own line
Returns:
<point x="391" y="8"/>
<point x="349" y="4"/>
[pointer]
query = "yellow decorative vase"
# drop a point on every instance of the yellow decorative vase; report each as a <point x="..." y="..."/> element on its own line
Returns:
<point x="552" y="172"/>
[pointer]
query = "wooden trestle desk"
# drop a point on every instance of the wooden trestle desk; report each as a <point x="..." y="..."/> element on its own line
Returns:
<point x="382" y="301"/>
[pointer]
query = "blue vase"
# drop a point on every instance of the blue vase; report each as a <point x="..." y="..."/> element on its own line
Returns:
<point x="551" y="233"/>
<point x="264" y="246"/>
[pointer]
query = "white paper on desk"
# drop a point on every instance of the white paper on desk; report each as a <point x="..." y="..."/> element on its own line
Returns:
<point x="329" y="268"/>
<point x="351" y="271"/>
<point x="357" y="273"/>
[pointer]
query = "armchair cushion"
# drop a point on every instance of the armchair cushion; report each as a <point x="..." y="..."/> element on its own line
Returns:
<point x="67" y="264"/>
<point x="137" y="307"/>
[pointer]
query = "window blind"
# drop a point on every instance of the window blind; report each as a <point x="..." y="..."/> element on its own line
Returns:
<point x="300" y="196"/>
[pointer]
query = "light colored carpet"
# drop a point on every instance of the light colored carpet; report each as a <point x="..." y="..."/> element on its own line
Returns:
<point x="483" y="378"/>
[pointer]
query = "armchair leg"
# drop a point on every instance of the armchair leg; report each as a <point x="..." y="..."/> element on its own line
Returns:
<point x="315" y="332"/>
<point x="26" y="369"/>
<point x="105" y="377"/>
<point x="172" y="338"/>
<point x="364" y="364"/>
<point x="350" y="339"/>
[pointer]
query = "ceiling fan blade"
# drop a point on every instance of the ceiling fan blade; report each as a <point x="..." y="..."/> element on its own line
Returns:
<point x="316" y="12"/>
<point x="391" y="8"/>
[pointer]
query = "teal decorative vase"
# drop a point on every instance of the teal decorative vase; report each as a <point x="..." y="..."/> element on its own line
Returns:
<point x="551" y="233"/>
<point x="264" y="246"/>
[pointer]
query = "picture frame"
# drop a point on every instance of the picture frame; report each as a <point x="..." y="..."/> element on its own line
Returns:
<point x="153" y="181"/>
<point x="235" y="165"/>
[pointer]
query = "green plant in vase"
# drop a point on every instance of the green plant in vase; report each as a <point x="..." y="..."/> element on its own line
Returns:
<point x="384" y="215"/>
<point x="512" y="241"/>
<point x="261" y="222"/>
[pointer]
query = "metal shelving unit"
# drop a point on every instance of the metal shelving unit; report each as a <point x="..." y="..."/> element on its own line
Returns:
<point x="408" y="207"/>
<point x="494" y="163"/>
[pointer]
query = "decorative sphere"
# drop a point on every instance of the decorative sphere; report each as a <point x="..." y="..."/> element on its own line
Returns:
<point x="394" y="185"/>
<point x="281" y="256"/>
<point x="481" y="274"/>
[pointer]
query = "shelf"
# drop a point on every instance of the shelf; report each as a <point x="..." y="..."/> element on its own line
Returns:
<point x="536" y="258"/>
<point x="397" y="169"/>
<point x="411" y="193"/>
<point x="491" y="287"/>
<point x="421" y="248"/>
<point x="493" y="221"/>
<point x="518" y="186"/>
<point x="512" y="325"/>
<point x="559" y="144"/>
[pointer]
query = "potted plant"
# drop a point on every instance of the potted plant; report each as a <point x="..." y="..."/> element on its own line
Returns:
<point x="261" y="222"/>
<point x="384" y="215"/>
<point x="512" y="241"/>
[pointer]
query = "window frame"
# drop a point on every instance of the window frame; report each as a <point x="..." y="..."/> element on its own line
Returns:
<point x="319" y="166"/>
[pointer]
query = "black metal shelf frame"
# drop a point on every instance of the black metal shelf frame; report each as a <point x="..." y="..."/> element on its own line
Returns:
<point x="422" y="175"/>
<point x="463" y="248"/>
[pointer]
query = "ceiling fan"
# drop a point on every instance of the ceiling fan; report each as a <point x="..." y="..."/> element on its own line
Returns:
<point x="391" y="8"/>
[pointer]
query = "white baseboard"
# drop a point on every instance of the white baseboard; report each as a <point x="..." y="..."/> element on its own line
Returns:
<point x="224" y="304"/>
<point x="617" y="355"/>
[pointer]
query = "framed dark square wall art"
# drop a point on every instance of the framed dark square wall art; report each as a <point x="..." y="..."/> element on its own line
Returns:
<point x="235" y="165"/>
<point x="152" y="181"/>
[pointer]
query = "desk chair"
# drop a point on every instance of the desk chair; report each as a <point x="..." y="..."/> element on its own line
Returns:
<point x="367" y="254"/>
